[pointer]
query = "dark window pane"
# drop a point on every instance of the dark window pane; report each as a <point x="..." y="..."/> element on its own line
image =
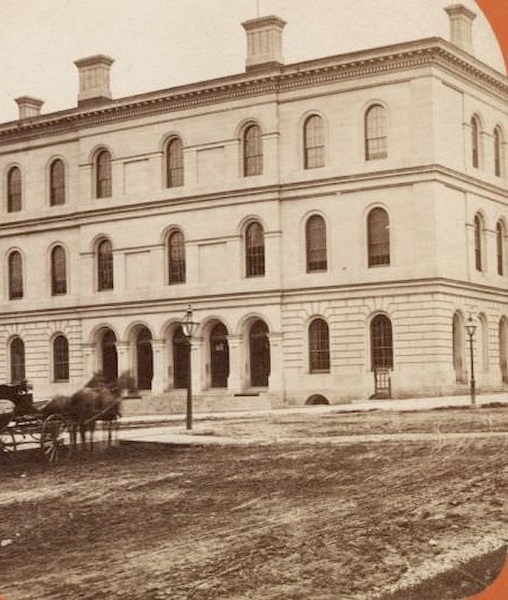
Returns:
<point x="478" y="251"/>
<point x="319" y="347"/>
<point x="378" y="227"/>
<point x="255" y="250"/>
<point x="14" y="190"/>
<point x="61" y="359"/>
<point x="103" y="175"/>
<point x="17" y="360"/>
<point x="176" y="258"/>
<point x="381" y="343"/>
<point x="252" y="151"/>
<point x="174" y="163"/>
<point x="58" y="271"/>
<point x="316" y="244"/>
<point x="376" y="137"/>
<point x="105" y="265"/>
<point x="314" y="144"/>
<point x="15" y="276"/>
<point x="57" y="183"/>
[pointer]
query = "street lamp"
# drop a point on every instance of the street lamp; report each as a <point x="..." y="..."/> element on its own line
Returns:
<point x="188" y="328"/>
<point x="471" y="328"/>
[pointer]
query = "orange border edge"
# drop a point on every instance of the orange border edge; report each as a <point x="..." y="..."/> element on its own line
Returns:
<point x="498" y="589"/>
<point x="496" y="12"/>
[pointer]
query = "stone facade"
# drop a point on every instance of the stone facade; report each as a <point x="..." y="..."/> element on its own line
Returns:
<point x="432" y="160"/>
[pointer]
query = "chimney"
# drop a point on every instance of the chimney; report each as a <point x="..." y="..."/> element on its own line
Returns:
<point x="461" y="25"/>
<point x="28" y="107"/>
<point x="94" y="79"/>
<point x="264" y="42"/>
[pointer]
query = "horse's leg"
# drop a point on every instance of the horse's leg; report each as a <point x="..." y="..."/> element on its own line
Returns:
<point x="92" y="430"/>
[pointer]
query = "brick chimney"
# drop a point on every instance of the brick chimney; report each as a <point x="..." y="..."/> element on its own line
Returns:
<point x="264" y="42"/>
<point x="28" y="107"/>
<point x="461" y="26"/>
<point x="94" y="79"/>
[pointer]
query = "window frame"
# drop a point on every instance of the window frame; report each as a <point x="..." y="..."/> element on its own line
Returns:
<point x="57" y="182"/>
<point x="175" y="168"/>
<point x="252" y="151"/>
<point x="381" y="354"/>
<point x="478" y="228"/>
<point x="177" y="267"/>
<point x="15" y="276"/>
<point x="103" y="174"/>
<point x="500" y="247"/>
<point x="313" y="142"/>
<point x="316" y="245"/>
<point x="60" y="358"/>
<point x="475" y="142"/>
<point x="378" y="238"/>
<point x="58" y="271"/>
<point x="16" y="365"/>
<point x="498" y="152"/>
<point x="376" y="132"/>
<point x="318" y="336"/>
<point x="255" y="253"/>
<point x="14" y="190"/>
<point x="104" y="266"/>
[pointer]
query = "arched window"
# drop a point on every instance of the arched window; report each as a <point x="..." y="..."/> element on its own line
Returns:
<point x="60" y="358"/>
<point x="104" y="265"/>
<point x="108" y="356"/>
<point x="176" y="258"/>
<point x="500" y="235"/>
<point x="254" y="250"/>
<point x="315" y="243"/>
<point x="15" y="267"/>
<point x="378" y="234"/>
<point x="17" y="356"/>
<point x="376" y="133"/>
<point x="475" y="143"/>
<point x="498" y="152"/>
<point x="58" y="271"/>
<point x="14" y="190"/>
<point x="381" y="343"/>
<point x="319" y="347"/>
<point x="144" y="359"/>
<point x="180" y="359"/>
<point x="57" y="183"/>
<point x="478" y="242"/>
<point x="174" y="163"/>
<point x="313" y="143"/>
<point x="252" y="151"/>
<point x="103" y="176"/>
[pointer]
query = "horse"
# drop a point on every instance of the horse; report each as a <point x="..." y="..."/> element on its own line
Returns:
<point x="95" y="401"/>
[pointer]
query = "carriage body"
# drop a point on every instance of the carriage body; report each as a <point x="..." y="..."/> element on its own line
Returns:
<point x="56" y="427"/>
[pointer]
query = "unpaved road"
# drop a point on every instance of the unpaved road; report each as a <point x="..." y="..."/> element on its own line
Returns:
<point x="292" y="521"/>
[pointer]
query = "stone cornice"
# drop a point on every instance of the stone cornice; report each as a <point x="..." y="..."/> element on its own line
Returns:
<point x="354" y="65"/>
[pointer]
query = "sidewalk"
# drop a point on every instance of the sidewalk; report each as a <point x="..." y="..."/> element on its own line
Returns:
<point x="170" y="429"/>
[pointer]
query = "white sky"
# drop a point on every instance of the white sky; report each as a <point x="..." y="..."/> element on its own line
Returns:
<point x="160" y="43"/>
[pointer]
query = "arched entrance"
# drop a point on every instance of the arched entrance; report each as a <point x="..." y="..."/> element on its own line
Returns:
<point x="180" y="359"/>
<point x="459" y="363"/>
<point x="259" y="347"/>
<point x="144" y="356"/>
<point x="219" y="356"/>
<point x="109" y="356"/>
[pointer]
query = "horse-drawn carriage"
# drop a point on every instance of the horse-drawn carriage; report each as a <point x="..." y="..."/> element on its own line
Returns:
<point x="57" y="426"/>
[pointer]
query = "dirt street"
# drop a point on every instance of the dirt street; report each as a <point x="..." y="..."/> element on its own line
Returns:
<point x="272" y="521"/>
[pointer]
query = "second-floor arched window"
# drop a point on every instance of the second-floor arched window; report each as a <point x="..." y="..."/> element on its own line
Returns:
<point x="103" y="175"/>
<point x="176" y="257"/>
<point x="313" y="143"/>
<point x="500" y="250"/>
<point x="378" y="234"/>
<point x="174" y="163"/>
<point x="57" y="183"/>
<point x="315" y="244"/>
<point x="478" y="242"/>
<point x="15" y="269"/>
<point x="376" y="133"/>
<point x="14" y="190"/>
<point x="475" y="142"/>
<point x="252" y="151"/>
<point x="254" y="250"/>
<point x="58" y="271"/>
<point x="498" y="152"/>
<point x="104" y="265"/>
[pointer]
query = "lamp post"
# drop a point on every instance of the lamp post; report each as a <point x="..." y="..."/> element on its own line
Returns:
<point x="188" y="328"/>
<point x="471" y="328"/>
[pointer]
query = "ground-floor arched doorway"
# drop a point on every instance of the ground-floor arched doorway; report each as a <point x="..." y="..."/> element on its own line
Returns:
<point x="144" y="355"/>
<point x="180" y="359"/>
<point x="109" y="356"/>
<point x="219" y="356"/>
<point x="259" y="349"/>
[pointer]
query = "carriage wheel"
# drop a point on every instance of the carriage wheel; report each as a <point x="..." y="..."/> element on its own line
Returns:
<point x="55" y="438"/>
<point x="7" y="443"/>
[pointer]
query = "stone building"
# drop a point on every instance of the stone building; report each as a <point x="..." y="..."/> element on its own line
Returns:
<point x="325" y="220"/>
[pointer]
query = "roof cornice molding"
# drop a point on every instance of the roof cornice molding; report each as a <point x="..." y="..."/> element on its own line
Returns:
<point x="354" y="65"/>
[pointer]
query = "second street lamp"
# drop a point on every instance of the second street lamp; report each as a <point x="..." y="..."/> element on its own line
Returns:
<point x="188" y="328"/>
<point x="471" y="328"/>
